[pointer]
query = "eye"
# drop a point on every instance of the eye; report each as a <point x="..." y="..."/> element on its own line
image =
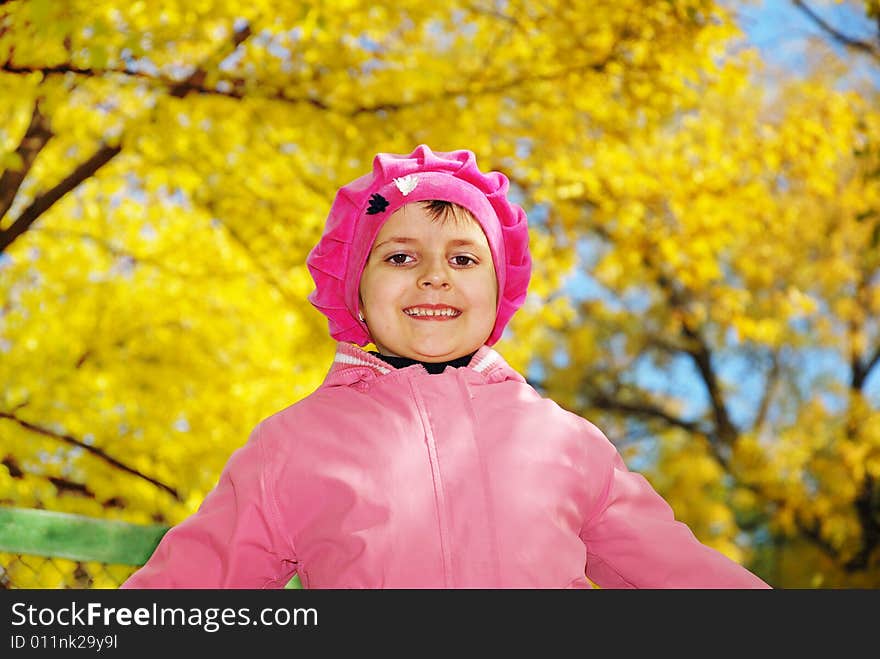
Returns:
<point x="463" y="260"/>
<point x="398" y="259"/>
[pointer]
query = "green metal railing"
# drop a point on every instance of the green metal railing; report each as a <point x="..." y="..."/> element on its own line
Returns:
<point x="27" y="533"/>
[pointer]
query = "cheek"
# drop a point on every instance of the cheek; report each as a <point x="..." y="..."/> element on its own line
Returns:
<point x="368" y="286"/>
<point x="492" y="287"/>
<point x="378" y="290"/>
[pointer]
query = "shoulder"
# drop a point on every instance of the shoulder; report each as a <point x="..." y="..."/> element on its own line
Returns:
<point x="328" y="409"/>
<point x="296" y="417"/>
<point x="560" y="419"/>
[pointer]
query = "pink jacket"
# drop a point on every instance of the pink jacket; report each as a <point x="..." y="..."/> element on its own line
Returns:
<point x="385" y="478"/>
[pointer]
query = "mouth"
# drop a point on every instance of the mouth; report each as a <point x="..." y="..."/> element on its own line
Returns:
<point x="432" y="312"/>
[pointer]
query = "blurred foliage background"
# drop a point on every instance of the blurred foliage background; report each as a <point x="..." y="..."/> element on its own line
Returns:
<point x="705" y="229"/>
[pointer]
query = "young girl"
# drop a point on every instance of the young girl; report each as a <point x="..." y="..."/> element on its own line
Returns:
<point x="429" y="463"/>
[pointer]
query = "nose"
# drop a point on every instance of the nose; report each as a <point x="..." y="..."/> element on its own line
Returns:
<point x="434" y="276"/>
<point x="433" y="281"/>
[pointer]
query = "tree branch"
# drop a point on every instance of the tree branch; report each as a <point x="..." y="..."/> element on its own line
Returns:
<point x="195" y="79"/>
<point x="861" y="370"/>
<point x="846" y="41"/>
<point x="813" y="535"/>
<point x="193" y="84"/>
<point x="496" y="88"/>
<point x="36" y="136"/>
<point x="867" y="506"/>
<point x="177" y="88"/>
<point x="44" y="202"/>
<point x="646" y="410"/>
<point x="105" y="152"/>
<point x="702" y="357"/>
<point x="73" y="441"/>
<point x="66" y="485"/>
<point x="810" y="532"/>
<point x="770" y="386"/>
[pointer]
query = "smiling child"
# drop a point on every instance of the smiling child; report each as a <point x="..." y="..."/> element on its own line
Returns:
<point x="429" y="462"/>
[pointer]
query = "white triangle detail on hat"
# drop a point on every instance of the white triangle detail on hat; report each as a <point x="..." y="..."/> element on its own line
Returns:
<point x="406" y="184"/>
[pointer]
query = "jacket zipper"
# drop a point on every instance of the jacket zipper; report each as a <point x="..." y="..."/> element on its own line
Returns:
<point x="439" y="489"/>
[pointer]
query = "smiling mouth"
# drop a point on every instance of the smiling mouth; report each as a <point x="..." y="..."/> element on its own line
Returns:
<point x="432" y="312"/>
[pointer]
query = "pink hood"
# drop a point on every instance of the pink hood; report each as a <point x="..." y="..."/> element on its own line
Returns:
<point x="386" y="478"/>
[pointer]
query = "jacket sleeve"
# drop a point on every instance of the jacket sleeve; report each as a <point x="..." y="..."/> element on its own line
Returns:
<point x="634" y="541"/>
<point x="234" y="540"/>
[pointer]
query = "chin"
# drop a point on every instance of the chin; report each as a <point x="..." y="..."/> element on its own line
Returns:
<point x="431" y="351"/>
<point x="441" y="355"/>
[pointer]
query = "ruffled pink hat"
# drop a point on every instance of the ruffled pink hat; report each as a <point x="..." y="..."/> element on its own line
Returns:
<point x="362" y="206"/>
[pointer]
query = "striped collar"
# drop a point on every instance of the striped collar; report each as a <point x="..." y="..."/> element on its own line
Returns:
<point x="352" y="364"/>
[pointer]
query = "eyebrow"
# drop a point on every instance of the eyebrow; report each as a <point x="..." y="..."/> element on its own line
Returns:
<point x="458" y="242"/>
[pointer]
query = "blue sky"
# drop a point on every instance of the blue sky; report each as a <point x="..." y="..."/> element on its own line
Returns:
<point x="781" y="31"/>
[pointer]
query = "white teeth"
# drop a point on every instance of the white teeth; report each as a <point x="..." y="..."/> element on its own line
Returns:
<point x="431" y="312"/>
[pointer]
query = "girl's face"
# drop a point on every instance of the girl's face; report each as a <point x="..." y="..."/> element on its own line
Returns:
<point x="428" y="291"/>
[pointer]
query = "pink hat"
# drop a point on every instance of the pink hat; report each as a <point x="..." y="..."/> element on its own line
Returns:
<point x="361" y="208"/>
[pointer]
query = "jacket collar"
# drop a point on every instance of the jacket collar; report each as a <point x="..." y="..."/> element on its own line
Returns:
<point x="353" y="364"/>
